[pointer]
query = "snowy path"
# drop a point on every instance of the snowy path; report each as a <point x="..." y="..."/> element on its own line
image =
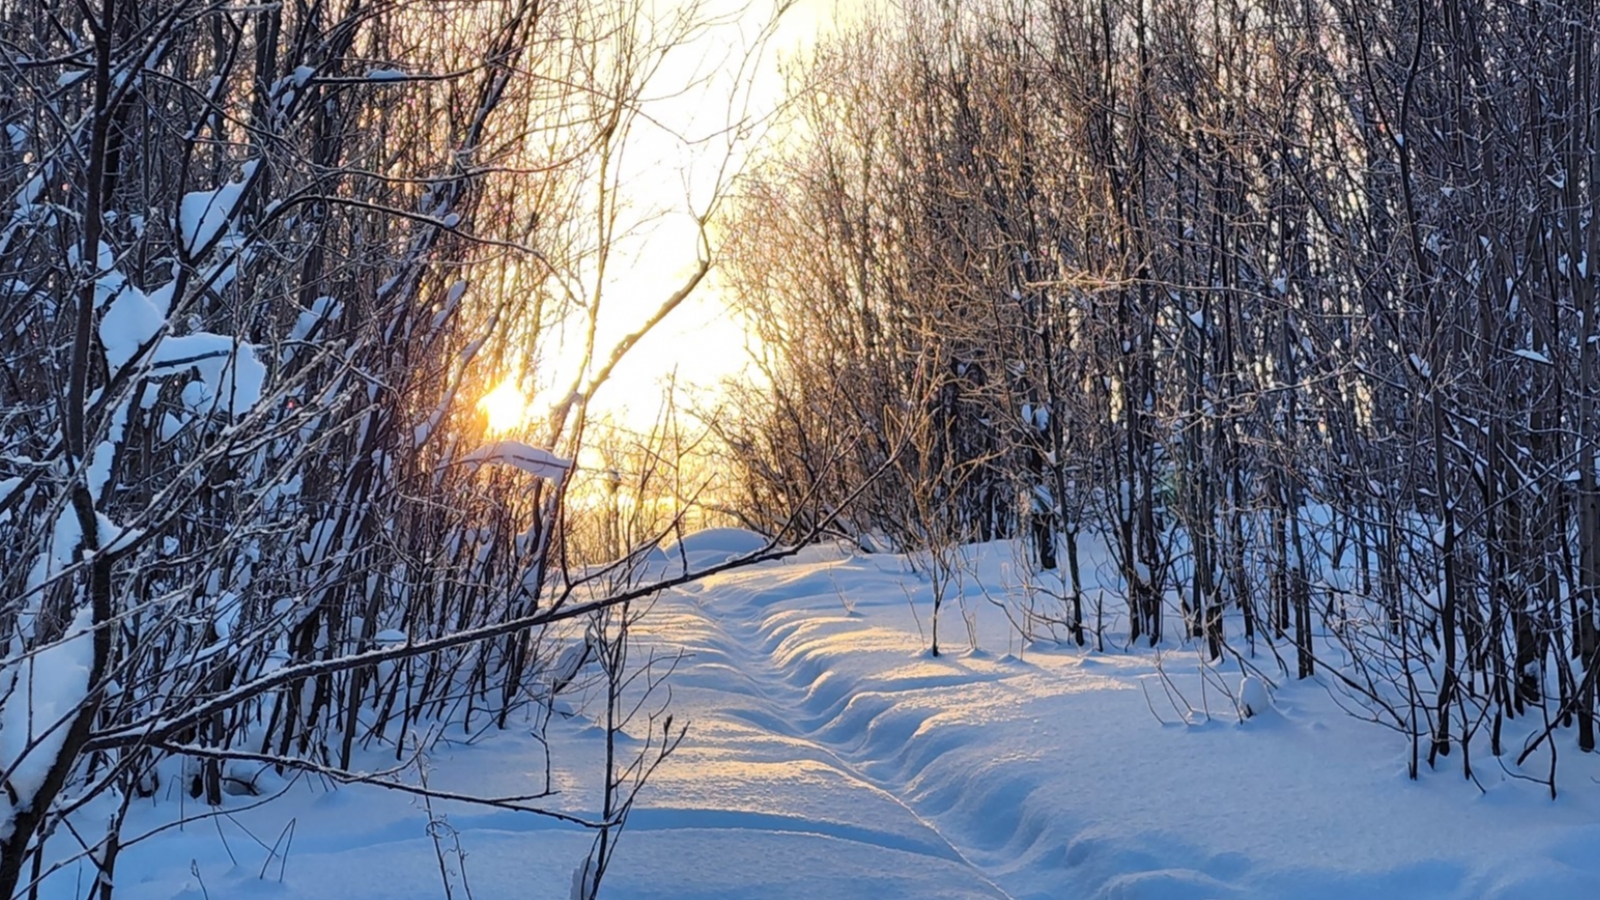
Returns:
<point x="760" y="766"/>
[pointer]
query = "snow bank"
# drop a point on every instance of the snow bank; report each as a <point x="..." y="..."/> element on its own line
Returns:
<point x="714" y="546"/>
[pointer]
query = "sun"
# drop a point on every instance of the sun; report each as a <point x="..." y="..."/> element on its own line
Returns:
<point x="505" y="406"/>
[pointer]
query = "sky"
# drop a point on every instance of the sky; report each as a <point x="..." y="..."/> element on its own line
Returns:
<point x="702" y="342"/>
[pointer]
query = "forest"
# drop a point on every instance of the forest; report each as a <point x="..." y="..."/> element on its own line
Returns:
<point x="1262" y="331"/>
<point x="1289" y="304"/>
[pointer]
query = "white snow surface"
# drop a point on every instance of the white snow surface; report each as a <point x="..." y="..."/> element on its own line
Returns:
<point x="714" y="546"/>
<point x="830" y="756"/>
<point x="230" y="374"/>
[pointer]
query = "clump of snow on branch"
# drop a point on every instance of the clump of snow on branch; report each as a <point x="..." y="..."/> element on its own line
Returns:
<point x="39" y="693"/>
<point x="533" y="460"/>
<point x="202" y="215"/>
<point x="231" y="376"/>
<point x="133" y="320"/>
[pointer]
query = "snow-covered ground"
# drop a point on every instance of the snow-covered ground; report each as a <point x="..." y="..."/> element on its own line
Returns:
<point x="830" y="756"/>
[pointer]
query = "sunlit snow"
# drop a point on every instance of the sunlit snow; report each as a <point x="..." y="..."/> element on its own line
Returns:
<point x="830" y="756"/>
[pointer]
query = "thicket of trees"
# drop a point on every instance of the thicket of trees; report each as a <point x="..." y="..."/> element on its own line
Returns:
<point x="1290" y="302"/>
<point x="258" y="262"/>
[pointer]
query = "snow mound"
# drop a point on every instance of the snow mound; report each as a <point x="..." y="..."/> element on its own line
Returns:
<point x="1253" y="696"/>
<point x="714" y="546"/>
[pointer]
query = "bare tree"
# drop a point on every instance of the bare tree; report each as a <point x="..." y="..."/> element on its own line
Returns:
<point x="1285" y="304"/>
<point x="259" y="265"/>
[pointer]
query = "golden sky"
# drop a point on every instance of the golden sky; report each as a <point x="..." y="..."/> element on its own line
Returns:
<point x="701" y="342"/>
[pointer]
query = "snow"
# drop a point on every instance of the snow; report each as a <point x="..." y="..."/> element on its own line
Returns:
<point x="113" y="537"/>
<point x="1036" y="416"/>
<point x="8" y="486"/>
<point x="229" y="371"/>
<point x="830" y="756"/>
<point x="1253" y="696"/>
<point x="131" y="322"/>
<point x="322" y="309"/>
<point x="533" y="460"/>
<point x="714" y="546"/>
<point x="40" y="693"/>
<point x="60" y="552"/>
<point x="204" y="215"/>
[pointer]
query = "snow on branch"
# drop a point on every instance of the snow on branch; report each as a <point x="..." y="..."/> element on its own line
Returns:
<point x="39" y="694"/>
<point x="533" y="460"/>
<point x="204" y="215"/>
